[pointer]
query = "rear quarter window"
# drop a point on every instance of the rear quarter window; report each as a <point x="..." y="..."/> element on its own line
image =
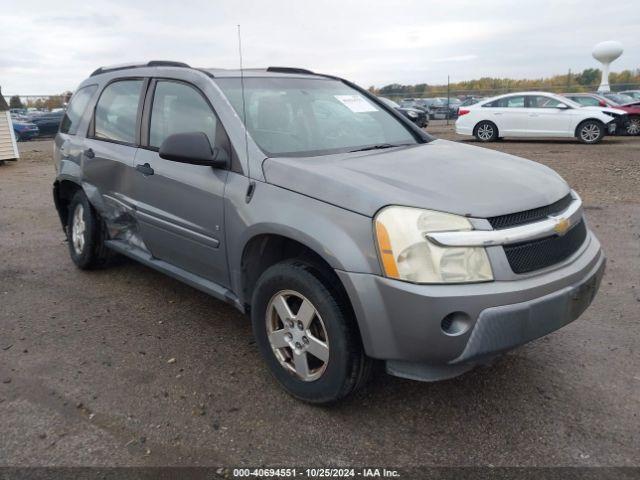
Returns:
<point x="76" y="109"/>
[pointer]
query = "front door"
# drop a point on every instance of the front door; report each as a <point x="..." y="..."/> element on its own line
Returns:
<point x="179" y="207"/>
<point x="547" y="117"/>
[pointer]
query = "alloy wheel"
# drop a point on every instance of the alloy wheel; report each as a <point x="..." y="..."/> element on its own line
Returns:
<point x="78" y="227"/>
<point x="634" y="127"/>
<point x="590" y="132"/>
<point x="299" y="340"/>
<point x="485" y="131"/>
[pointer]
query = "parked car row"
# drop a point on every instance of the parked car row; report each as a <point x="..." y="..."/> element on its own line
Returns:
<point x="586" y="117"/>
<point x="416" y="115"/>
<point x="28" y="125"/>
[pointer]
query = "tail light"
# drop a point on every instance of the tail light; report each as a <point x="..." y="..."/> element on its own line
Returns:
<point x="463" y="111"/>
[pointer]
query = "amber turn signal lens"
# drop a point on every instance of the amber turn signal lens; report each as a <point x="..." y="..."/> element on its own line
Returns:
<point x="386" y="252"/>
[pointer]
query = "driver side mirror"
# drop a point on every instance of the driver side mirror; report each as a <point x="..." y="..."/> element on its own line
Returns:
<point x="193" y="148"/>
<point x="563" y="106"/>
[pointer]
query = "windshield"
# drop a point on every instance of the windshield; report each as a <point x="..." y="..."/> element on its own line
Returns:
<point x="306" y="117"/>
<point x="619" y="98"/>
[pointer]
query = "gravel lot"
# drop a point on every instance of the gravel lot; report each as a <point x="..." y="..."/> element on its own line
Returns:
<point x="85" y="377"/>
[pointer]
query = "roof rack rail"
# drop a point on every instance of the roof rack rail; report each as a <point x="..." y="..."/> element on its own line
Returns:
<point x="289" y="70"/>
<point x="152" y="63"/>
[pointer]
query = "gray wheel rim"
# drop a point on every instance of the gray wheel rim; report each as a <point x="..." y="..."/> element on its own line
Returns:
<point x="590" y="132"/>
<point x="78" y="228"/>
<point x="485" y="131"/>
<point x="634" y="127"/>
<point x="298" y="340"/>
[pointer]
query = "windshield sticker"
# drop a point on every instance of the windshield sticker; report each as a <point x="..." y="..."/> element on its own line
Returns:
<point x="356" y="103"/>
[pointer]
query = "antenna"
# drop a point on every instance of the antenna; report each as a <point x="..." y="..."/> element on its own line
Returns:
<point x="244" y="118"/>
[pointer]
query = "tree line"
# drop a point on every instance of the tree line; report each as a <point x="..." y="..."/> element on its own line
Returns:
<point x="48" y="103"/>
<point x="585" y="81"/>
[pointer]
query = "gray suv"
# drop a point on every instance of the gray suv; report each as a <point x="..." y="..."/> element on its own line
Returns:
<point x="350" y="236"/>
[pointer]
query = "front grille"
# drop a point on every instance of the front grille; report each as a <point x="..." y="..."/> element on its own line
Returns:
<point x="530" y="216"/>
<point x="529" y="256"/>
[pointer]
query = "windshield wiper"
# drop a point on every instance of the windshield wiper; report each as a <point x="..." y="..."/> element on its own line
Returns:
<point x="375" y="147"/>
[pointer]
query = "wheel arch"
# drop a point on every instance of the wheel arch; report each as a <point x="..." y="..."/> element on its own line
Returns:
<point x="593" y="119"/>
<point x="264" y="250"/>
<point x="63" y="191"/>
<point x="475" y="127"/>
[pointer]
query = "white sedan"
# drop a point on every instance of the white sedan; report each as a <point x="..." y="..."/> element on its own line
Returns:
<point x="536" y="114"/>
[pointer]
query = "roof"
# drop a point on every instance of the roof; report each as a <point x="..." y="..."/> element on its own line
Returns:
<point x="214" y="72"/>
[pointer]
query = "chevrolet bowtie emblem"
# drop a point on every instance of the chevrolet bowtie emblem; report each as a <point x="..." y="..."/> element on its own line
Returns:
<point x="562" y="225"/>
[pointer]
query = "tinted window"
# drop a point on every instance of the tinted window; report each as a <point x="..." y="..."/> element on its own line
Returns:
<point x="306" y="117"/>
<point x="514" y="102"/>
<point x="76" y="109"/>
<point x="179" y="108"/>
<point x="586" y="101"/>
<point x="507" y="102"/>
<point x="117" y="111"/>
<point x="540" y="101"/>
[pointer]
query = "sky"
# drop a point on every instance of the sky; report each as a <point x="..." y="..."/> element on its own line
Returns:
<point x="47" y="47"/>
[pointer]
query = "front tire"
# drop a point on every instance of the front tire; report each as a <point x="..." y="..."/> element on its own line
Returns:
<point x="486" y="131"/>
<point x="85" y="234"/>
<point x="590" y="132"/>
<point x="305" y="330"/>
<point x="633" y="127"/>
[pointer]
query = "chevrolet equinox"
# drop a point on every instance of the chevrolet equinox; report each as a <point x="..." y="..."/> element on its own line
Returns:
<point x="350" y="236"/>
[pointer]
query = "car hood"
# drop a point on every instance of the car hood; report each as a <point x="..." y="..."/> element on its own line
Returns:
<point x="440" y="175"/>
<point x="616" y="110"/>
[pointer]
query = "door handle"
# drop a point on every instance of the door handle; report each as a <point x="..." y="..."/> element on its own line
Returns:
<point x="497" y="113"/>
<point x="533" y="114"/>
<point x="145" y="169"/>
<point x="89" y="153"/>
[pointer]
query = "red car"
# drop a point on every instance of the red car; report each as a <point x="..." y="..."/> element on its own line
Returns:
<point x="632" y="126"/>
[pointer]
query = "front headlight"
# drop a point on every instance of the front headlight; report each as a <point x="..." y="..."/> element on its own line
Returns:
<point x="412" y="114"/>
<point x="406" y="254"/>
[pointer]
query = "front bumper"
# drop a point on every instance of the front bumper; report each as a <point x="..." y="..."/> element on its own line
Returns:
<point x="403" y="323"/>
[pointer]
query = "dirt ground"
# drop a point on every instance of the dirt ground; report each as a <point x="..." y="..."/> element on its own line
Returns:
<point x="85" y="377"/>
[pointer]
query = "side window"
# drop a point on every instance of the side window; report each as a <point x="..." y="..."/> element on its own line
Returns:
<point x="76" y="108"/>
<point x="179" y="108"/>
<point x="117" y="110"/>
<point x="494" y="104"/>
<point x="541" y="101"/>
<point x="587" y="101"/>
<point x="514" y="102"/>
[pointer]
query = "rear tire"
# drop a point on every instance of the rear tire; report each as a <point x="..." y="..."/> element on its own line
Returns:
<point x="317" y="320"/>
<point x="86" y="234"/>
<point x="590" y="132"/>
<point x="486" y="131"/>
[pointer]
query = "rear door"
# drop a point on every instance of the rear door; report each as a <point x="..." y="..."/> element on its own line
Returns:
<point x="546" y="118"/>
<point x="508" y="114"/>
<point x="111" y="144"/>
<point x="179" y="207"/>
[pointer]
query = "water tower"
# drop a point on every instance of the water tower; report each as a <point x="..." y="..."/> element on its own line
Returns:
<point x="605" y="53"/>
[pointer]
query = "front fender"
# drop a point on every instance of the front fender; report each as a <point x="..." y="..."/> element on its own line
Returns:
<point x="344" y="239"/>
